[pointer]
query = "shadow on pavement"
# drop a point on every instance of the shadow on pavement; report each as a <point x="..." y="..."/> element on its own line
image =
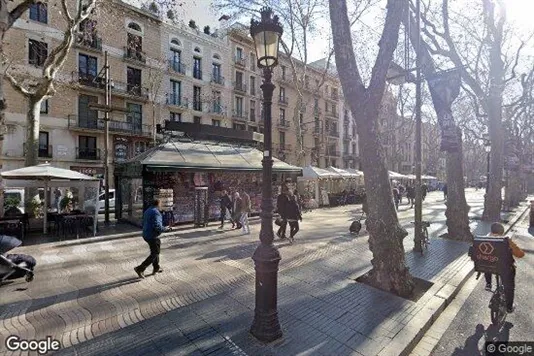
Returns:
<point x="471" y="344"/>
<point x="41" y="303"/>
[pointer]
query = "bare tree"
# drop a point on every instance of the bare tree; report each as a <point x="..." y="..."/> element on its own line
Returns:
<point x="444" y="88"/>
<point x="483" y="68"/>
<point x="385" y="233"/>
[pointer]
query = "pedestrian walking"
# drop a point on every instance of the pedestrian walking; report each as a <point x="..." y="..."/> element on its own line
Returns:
<point x="247" y="208"/>
<point x="410" y="194"/>
<point x="152" y="228"/>
<point x="396" y="197"/>
<point x="226" y="209"/>
<point x="402" y="190"/>
<point x="508" y="279"/>
<point x="445" y="191"/>
<point x="281" y="206"/>
<point x="424" y="191"/>
<point x="238" y="210"/>
<point x="293" y="216"/>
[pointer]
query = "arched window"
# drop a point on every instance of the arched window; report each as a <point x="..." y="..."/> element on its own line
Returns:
<point x="197" y="49"/>
<point x="175" y="42"/>
<point x="39" y="12"/>
<point x="134" y="26"/>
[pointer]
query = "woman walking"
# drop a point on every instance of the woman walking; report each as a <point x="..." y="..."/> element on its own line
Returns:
<point x="293" y="216"/>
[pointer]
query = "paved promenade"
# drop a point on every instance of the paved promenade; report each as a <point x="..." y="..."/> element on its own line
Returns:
<point x="87" y="296"/>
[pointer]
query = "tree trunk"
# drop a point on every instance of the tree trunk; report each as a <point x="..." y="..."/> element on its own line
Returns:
<point x="493" y="198"/>
<point x="457" y="208"/>
<point x="385" y="233"/>
<point x="32" y="138"/>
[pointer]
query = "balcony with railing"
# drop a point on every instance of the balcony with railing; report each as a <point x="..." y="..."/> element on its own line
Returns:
<point x="175" y="100"/>
<point x="88" y="153"/>
<point x="282" y="100"/>
<point x="240" y="86"/>
<point x="333" y="152"/>
<point x="283" y="147"/>
<point x="43" y="151"/>
<point x="134" y="55"/>
<point x="89" y="42"/>
<point x="331" y="113"/>
<point x="332" y="133"/>
<point x="217" y="79"/>
<point x="130" y="89"/>
<point x="176" y="67"/>
<point x="283" y="124"/>
<point x="217" y="109"/>
<point x="96" y="125"/>
<point x="348" y="156"/>
<point x="88" y="80"/>
<point x="240" y="61"/>
<point x="240" y="115"/>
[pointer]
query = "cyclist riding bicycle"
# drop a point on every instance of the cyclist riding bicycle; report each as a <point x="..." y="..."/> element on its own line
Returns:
<point x="508" y="281"/>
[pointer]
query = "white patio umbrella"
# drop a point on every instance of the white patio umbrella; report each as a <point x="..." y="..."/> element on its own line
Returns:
<point x="49" y="176"/>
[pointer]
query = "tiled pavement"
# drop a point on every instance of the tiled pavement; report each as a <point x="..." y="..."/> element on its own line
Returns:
<point x="87" y="297"/>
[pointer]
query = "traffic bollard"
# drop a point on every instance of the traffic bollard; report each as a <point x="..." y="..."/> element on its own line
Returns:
<point x="532" y="213"/>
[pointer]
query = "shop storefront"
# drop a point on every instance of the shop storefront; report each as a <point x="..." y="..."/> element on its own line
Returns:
<point x="188" y="177"/>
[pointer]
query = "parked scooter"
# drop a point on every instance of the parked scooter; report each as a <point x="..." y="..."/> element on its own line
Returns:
<point x="14" y="266"/>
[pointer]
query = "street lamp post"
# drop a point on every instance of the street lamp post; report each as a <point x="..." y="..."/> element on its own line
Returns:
<point x="487" y="148"/>
<point x="266" y="327"/>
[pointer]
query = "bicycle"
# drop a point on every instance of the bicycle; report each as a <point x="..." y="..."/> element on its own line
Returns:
<point x="425" y="241"/>
<point x="497" y="303"/>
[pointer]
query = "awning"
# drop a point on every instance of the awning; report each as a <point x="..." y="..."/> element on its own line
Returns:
<point x="343" y="173"/>
<point x="45" y="172"/>
<point x="355" y="171"/>
<point x="207" y="156"/>
<point x="395" y="175"/>
<point x="311" y="172"/>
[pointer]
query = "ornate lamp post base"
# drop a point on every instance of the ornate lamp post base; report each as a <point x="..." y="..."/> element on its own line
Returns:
<point x="266" y="326"/>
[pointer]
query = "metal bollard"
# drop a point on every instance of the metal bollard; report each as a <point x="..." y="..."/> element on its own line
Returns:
<point x="532" y="213"/>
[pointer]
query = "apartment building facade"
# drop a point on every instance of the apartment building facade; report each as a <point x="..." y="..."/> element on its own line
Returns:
<point x="163" y="71"/>
<point x="71" y="132"/>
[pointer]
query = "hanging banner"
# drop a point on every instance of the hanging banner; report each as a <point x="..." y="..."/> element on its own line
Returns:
<point x="445" y="88"/>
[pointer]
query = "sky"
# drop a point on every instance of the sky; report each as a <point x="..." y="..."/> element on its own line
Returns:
<point x="519" y="12"/>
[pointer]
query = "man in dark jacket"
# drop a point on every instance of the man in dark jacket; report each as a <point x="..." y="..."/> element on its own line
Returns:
<point x="281" y="205"/>
<point x="293" y="215"/>
<point x="226" y="206"/>
<point x="152" y="228"/>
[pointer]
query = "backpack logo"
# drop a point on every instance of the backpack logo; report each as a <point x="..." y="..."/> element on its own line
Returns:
<point x="486" y="248"/>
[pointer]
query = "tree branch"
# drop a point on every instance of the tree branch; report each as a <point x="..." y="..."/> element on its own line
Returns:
<point x="18" y="11"/>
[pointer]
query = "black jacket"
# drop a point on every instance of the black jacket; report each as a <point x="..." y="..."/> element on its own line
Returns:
<point x="226" y="203"/>
<point x="281" y="205"/>
<point x="293" y="210"/>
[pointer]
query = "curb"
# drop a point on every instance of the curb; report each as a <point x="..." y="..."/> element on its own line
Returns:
<point x="441" y="296"/>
